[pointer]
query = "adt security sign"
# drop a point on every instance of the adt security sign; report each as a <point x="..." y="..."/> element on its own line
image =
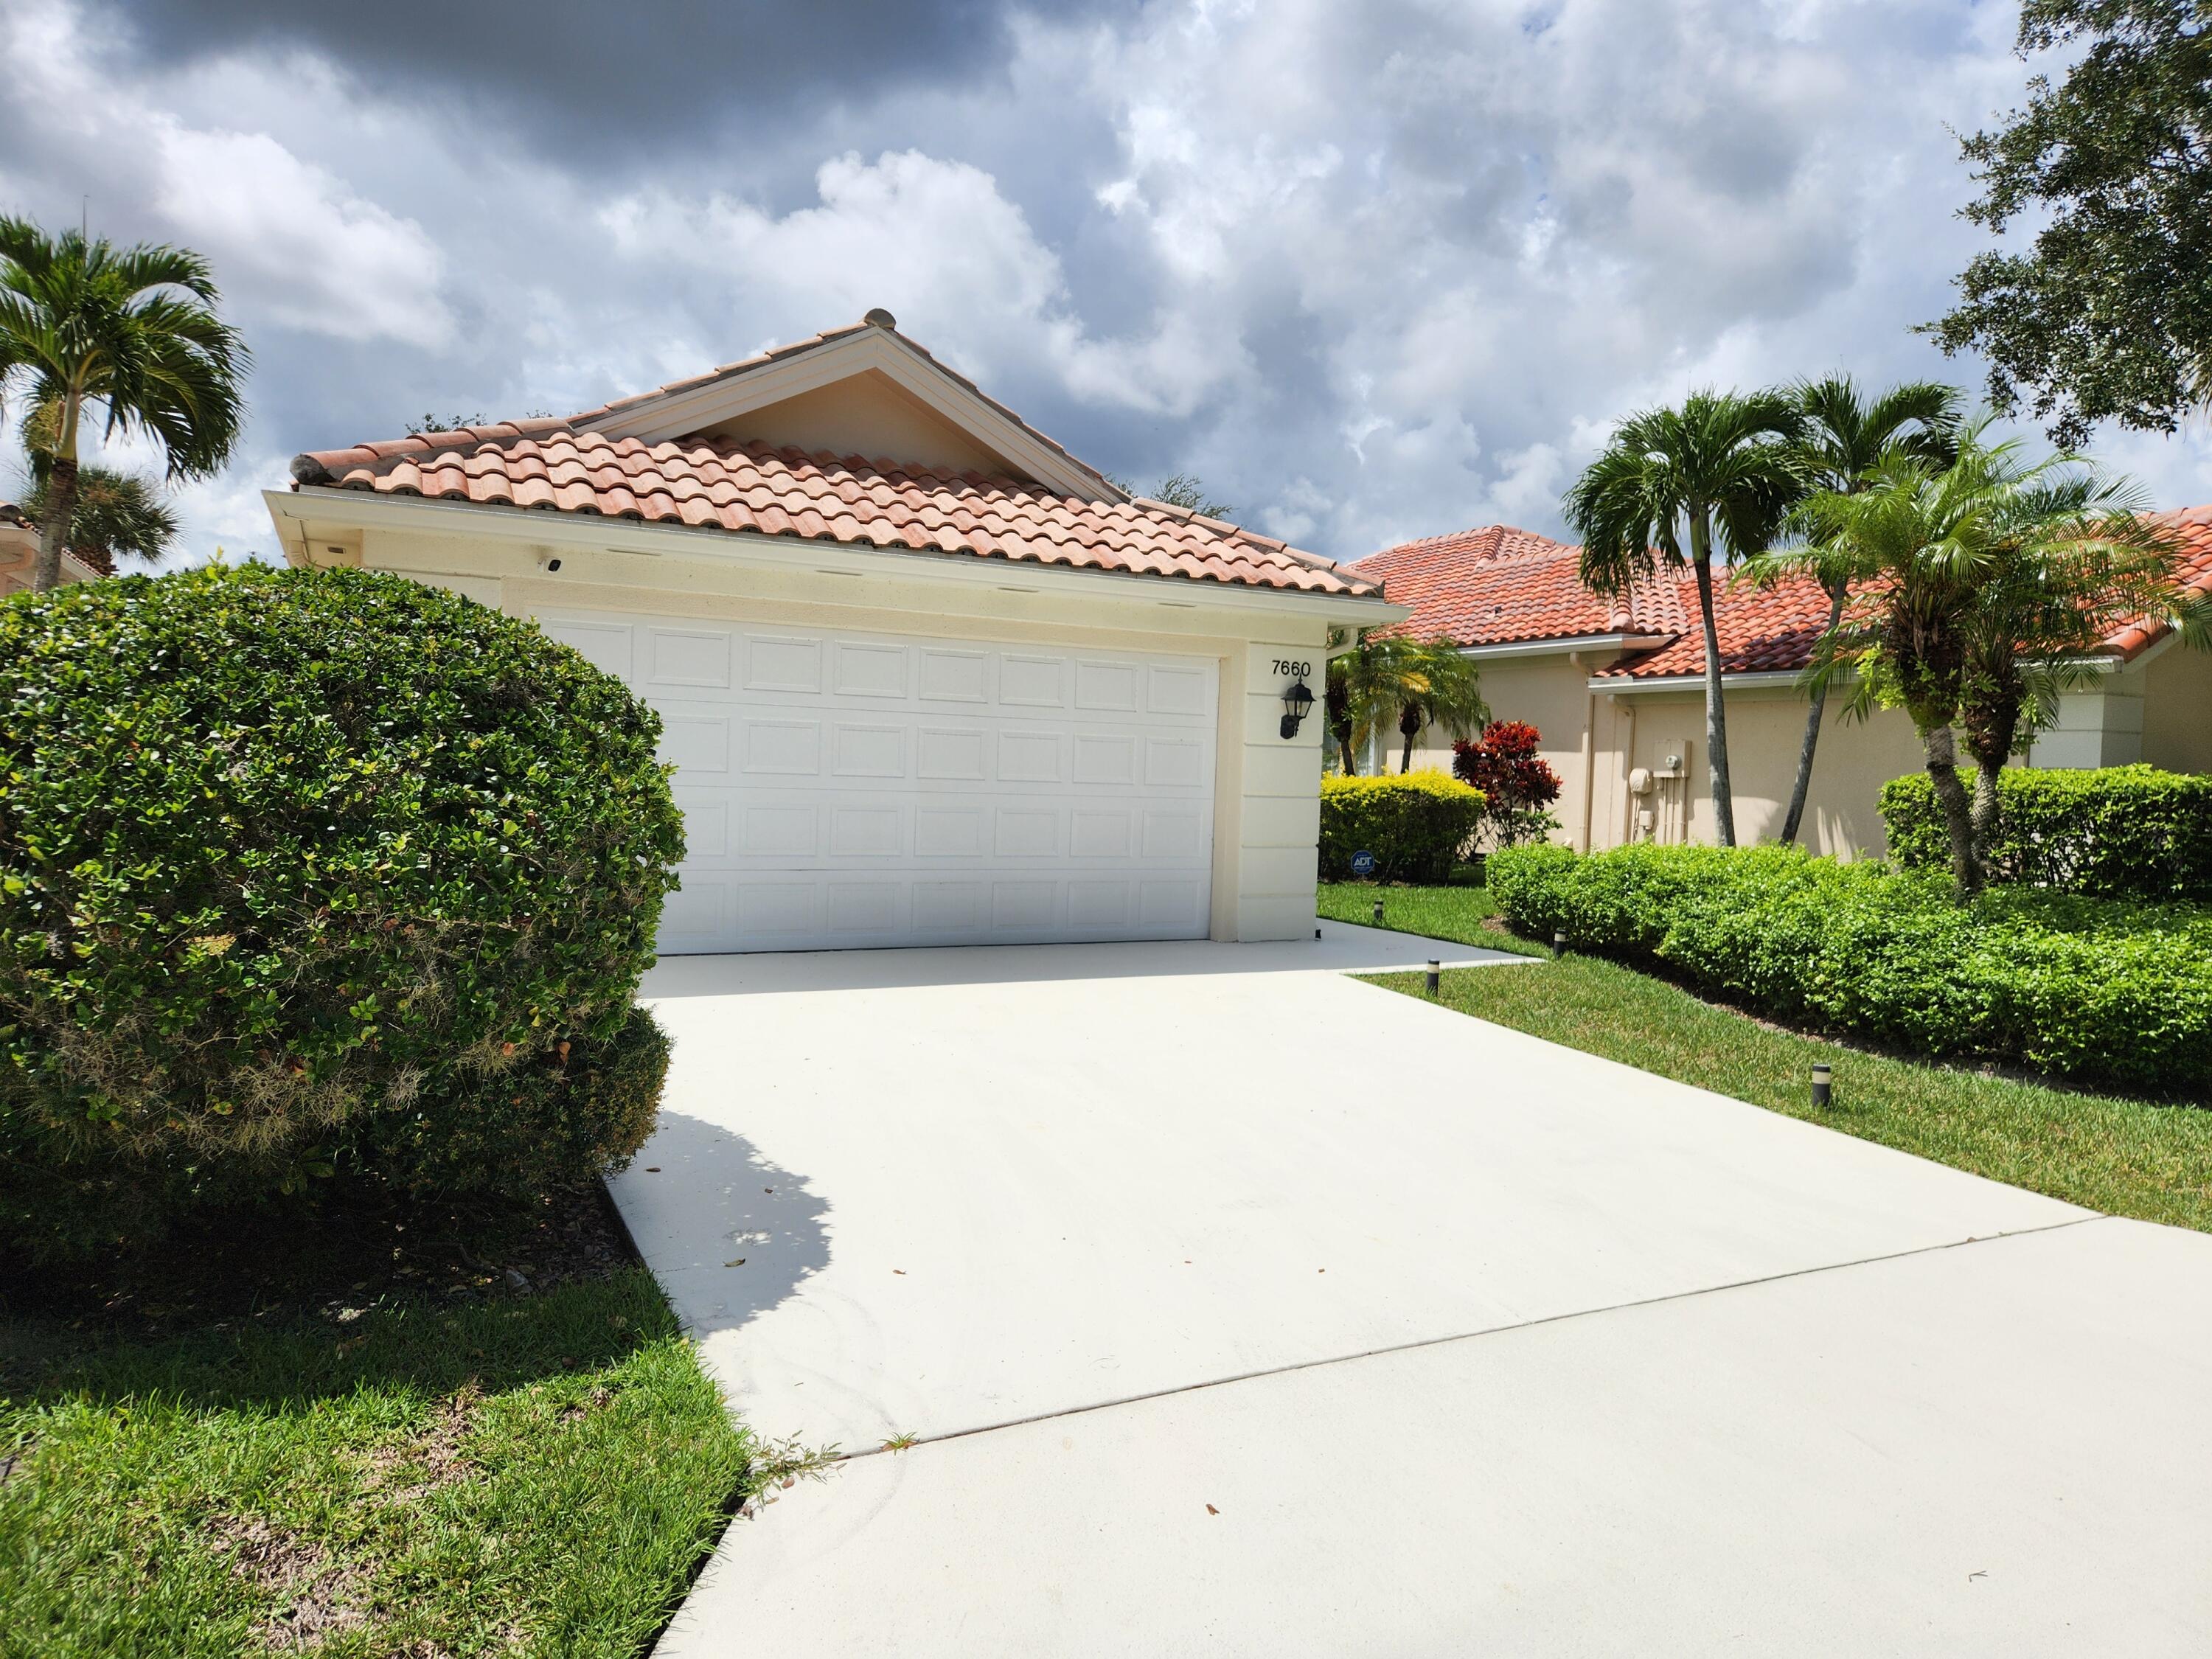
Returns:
<point x="1363" y="863"/>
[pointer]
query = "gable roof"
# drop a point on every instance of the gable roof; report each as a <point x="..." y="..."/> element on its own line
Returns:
<point x="696" y="402"/>
<point x="1498" y="585"/>
<point x="617" y="461"/>
<point x="746" y="486"/>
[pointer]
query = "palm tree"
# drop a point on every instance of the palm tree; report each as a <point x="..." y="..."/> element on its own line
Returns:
<point x="118" y="515"/>
<point x="129" y="332"/>
<point x="1957" y="571"/>
<point x="1842" y="436"/>
<point x="1440" y="689"/>
<point x="1405" y="683"/>
<point x="1674" y="486"/>
<point x="2072" y="562"/>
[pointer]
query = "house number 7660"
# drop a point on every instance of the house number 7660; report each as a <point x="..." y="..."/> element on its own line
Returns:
<point x="1301" y="669"/>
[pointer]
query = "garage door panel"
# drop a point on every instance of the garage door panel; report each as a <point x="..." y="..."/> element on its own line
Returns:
<point x="954" y="676"/>
<point x="781" y="748"/>
<point x="678" y="657"/>
<point x="950" y="832"/>
<point x="868" y="670"/>
<point x="868" y="751"/>
<point x="1029" y="756"/>
<point x="775" y="663"/>
<point x="877" y="790"/>
<point x="1032" y="682"/>
<point x="696" y="742"/>
<point x="608" y="646"/>
<point x="952" y="752"/>
<point x="866" y="832"/>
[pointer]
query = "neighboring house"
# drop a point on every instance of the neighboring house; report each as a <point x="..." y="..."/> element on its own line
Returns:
<point x="1618" y="690"/>
<point x="926" y="678"/>
<point x="18" y="553"/>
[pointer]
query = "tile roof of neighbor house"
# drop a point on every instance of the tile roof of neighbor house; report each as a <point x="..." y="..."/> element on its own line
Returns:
<point x="1501" y="585"/>
<point x="1498" y="585"/>
<point x="719" y="483"/>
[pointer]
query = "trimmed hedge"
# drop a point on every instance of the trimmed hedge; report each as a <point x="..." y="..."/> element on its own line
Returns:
<point x="2103" y="992"/>
<point x="2114" y="830"/>
<point x="1414" y="823"/>
<point x="305" y="872"/>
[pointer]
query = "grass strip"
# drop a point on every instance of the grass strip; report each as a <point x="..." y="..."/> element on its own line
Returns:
<point x="2108" y="1152"/>
<point x="536" y="1473"/>
<point x="1457" y="912"/>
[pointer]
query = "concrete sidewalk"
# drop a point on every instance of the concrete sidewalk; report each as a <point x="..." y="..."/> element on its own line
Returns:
<point x="1473" y="1343"/>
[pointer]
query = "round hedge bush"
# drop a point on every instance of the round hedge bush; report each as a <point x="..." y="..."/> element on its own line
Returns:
<point x="313" y="873"/>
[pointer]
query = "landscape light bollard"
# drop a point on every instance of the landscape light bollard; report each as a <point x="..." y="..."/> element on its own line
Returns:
<point x="1378" y="913"/>
<point x="1429" y="979"/>
<point x="1559" y="943"/>
<point x="1822" y="1077"/>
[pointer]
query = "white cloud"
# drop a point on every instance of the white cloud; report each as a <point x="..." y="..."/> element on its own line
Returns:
<point x="1372" y="268"/>
<point x="935" y="243"/>
<point x="286" y="234"/>
<point x="322" y="258"/>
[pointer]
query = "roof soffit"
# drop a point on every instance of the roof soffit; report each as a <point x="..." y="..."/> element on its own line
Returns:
<point x="681" y="413"/>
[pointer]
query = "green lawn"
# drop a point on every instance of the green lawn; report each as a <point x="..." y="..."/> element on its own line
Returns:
<point x="538" y="1473"/>
<point x="1458" y="912"/>
<point x="2123" y="1157"/>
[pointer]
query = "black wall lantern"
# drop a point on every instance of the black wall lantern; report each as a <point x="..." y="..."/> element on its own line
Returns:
<point x="1297" y="702"/>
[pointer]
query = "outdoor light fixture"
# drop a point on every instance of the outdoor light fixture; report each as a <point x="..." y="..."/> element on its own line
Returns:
<point x="1297" y="703"/>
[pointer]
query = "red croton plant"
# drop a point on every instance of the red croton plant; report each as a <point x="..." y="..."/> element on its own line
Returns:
<point x="1502" y="762"/>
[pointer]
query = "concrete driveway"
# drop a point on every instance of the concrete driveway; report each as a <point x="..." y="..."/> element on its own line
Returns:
<point x="1239" y="1307"/>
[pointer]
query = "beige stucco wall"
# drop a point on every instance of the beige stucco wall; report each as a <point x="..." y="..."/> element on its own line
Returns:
<point x="1266" y="809"/>
<point x="2177" y="709"/>
<point x="866" y="414"/>
<point x="1766" y="728"/>
<point x="1628" y="730"/>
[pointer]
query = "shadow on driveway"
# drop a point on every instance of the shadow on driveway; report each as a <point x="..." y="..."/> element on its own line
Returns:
<point x="729" y="1233"/>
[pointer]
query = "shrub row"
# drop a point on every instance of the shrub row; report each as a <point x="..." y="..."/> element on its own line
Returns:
<point x="2115" y="831"/>
<point x="1414" y="825"/>
<point x="305" y="872"/>
<point x="2102" y="992"/>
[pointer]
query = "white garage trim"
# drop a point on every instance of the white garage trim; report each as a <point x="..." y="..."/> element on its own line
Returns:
<point x="847" y="789"/>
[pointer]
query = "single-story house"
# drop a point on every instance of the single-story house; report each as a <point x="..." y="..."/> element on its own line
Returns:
<point x="926" y="677"/>
<point x="1617" y="690"/>
<point x="19" y="553"/>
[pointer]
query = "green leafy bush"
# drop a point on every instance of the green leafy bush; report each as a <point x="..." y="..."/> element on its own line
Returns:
<point x="305" y="871"/>
<point x="2114" y="830"/>
<point x="2103" y="991"/>
<point x="1415" y="824"/>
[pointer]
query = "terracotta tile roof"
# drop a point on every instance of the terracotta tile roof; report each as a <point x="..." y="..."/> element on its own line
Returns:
<point x="1498" y="585"/>
<point x="2191" y="528"/>
<point x="725" y="484"/>
<point x="1762" y="630"/>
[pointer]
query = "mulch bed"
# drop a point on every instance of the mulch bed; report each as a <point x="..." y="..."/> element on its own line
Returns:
<point x="356" y="1252"/>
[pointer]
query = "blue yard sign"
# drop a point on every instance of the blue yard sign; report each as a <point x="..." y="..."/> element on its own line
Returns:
<point x="1363" y="863"/>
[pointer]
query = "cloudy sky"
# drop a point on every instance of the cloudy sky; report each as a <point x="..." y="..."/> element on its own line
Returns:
<point x="1372" y="269"/>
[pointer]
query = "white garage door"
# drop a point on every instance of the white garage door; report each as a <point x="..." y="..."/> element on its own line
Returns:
<point x="865" y="789"/>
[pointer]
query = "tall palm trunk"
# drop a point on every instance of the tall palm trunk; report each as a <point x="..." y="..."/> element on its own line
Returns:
<point x="1409" y="727"/>
<point x="54" y="528"/>
<point x="1716" y="710"/>
<point x="1958" y="812"/>
<point x="1837" y="595"/>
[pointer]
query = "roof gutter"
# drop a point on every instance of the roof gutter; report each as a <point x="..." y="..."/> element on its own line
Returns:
<point x="1620" y="684"/>
<point x="363" y="509"/>
<point x="1565" y="644"/>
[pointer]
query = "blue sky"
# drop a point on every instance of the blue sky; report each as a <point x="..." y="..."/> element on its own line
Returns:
<point x="1373" y="270"/>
